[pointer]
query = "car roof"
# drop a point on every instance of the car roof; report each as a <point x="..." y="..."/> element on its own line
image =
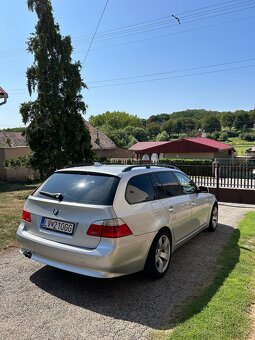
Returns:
<point x="115" y="169"/>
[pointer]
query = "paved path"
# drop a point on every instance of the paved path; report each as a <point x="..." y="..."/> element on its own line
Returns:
<point x="39" y="302"/>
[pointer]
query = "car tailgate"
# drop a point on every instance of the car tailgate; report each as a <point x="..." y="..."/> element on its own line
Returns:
<point x="80" y="216"/>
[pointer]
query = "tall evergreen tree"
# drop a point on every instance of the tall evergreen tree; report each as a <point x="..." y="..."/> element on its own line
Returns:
<point x="56" y="133"/>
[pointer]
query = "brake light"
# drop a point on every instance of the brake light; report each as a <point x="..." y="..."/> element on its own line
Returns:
<point x="26" y="216"/>
<point x="113" y="228"/>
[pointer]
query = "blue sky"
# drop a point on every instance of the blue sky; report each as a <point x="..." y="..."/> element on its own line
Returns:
<point x="207" y="61"/>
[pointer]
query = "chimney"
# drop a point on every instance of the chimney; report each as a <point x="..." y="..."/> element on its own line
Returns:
<point x="97" y="141"/>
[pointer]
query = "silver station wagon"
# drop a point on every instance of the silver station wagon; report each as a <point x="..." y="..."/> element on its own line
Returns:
<point x="110" y="220"/>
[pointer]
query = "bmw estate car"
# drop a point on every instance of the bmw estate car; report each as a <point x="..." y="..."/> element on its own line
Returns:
<point x="111" y="220"/>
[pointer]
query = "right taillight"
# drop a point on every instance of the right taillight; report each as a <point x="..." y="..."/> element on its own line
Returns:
<point x="113" y="228"/>
<point x="26" y="216"/>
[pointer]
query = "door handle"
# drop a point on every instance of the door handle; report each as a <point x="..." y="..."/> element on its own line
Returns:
<point x="171" y="209"/>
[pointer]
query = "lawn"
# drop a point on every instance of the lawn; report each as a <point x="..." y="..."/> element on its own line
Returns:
<point x="240" y="145"/>
<point x="222" y="310"/>
<point x="12" y="199"/>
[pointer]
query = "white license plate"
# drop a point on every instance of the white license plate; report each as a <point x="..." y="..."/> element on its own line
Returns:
<point x="57" y="225"/>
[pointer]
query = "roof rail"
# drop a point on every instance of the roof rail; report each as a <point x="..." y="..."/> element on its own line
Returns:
<point x="168" y="166"/>
<point x="77" y="164"/>
<point x="149" y="166"/>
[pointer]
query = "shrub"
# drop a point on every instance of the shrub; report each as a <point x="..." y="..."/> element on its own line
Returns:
<point x="247" y="136"/>
<point x="214" y="135"/>
<point x="16" y="163"/>
<point x="195" y="167"/>
<point x="188" y="161"/>
<point x="223" y="136"/>
<point x="232" y="133"/>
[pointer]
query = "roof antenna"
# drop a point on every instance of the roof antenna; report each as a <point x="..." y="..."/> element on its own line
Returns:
<point x="179" y="20"/>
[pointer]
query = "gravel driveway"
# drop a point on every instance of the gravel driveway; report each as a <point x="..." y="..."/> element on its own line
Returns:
<point x="39" y="302"/>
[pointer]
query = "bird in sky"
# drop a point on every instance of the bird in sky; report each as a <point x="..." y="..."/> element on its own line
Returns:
<point x="179" y="21"/>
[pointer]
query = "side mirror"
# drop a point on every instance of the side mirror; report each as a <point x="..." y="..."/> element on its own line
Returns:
<point x="203" y="189"/>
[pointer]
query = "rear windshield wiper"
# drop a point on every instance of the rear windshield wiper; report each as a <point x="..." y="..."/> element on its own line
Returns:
<point x="57" y="196"/>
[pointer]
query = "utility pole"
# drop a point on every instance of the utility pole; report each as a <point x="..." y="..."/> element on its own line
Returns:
<point x="3" y="95"/>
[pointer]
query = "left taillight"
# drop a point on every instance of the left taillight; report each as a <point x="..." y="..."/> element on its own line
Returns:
<point x="26" y="216"/>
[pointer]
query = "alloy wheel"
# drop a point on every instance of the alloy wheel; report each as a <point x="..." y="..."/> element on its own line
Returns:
<point x="163" y="253"/>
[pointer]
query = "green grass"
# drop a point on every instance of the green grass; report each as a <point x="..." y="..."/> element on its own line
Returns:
<point x="222" y="310"/>
<point x="240" y="145"/>
<point x="12" y="199"/>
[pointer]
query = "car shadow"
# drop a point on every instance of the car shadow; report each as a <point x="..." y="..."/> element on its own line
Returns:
<point x="135" y="298"/>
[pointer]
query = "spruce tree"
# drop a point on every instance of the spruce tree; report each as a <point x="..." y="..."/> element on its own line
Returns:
<point x="56" y="132"/>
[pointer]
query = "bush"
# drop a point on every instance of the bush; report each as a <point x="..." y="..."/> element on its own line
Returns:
<point x="7" y="163"/>
<point x="163" y="136"/>
<point x="195" y="167"/>
<point x="183" y="135"/>
<point x="232" y="133"/>
<point x="214" y="135"/>
<point x="174" y="136"/>
<point x="223" y="136"/>
<point x="247" y="136"/>
<point x="16" y="163"/>
<point x="188" y="161"/>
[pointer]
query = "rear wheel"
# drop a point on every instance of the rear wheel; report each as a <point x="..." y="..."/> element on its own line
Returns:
<point x="159" y="256"/>
<point x="214" y="219"/>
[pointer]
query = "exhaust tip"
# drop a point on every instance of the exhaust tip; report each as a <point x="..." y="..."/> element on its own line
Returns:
<point x="27" y="254"/>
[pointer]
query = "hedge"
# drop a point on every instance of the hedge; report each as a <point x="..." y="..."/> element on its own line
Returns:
<point x="194" y="167"/>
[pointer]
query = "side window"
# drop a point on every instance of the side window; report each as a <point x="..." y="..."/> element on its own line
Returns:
<point x="140" y="189"/>
<point x="188" y="186"/>
<point x="166" y="185"/>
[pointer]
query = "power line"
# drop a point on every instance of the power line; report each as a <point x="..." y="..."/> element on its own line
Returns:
<point x="197" y="9"/>
<point x="174" y="77"/>
<point x="219" y="9"/>
<point x="174" y="71"/>
<point x="154" y="22"/>
<point x="18" y="91"/>
<point x="175" y="33"/>
<point x="93" y="37"/>
<point x="165" y="23"/>
<point x="160" y="23"/>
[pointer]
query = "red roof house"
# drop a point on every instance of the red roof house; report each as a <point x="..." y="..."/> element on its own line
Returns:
<point x="198" y="147"/>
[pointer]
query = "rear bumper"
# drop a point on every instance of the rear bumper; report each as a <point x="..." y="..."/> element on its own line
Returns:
<point x="112" y="257"/>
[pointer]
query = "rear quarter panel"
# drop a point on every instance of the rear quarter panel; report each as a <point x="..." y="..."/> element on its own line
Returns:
<point x="145" y="217"/>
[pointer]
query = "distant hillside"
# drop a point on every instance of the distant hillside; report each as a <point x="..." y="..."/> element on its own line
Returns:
<point x="194" y="114"/>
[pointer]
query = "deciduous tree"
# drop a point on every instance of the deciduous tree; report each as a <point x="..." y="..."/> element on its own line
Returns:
<point x="227" y="119"/>
<point x="211" y="123"/>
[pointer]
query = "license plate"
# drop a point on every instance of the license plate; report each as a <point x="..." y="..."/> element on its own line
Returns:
<point x="57" y="225"/>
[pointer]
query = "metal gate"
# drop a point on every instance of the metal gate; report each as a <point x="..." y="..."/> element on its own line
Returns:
<point x="229" y="182"/>
<point x="233" y="183"/>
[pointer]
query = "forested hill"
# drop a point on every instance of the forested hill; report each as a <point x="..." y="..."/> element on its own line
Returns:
<point x="126" y="129"/>
<point x="196" y="114"/>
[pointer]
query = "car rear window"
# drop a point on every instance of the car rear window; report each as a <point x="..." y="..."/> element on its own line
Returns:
<point x="87" y="188"/>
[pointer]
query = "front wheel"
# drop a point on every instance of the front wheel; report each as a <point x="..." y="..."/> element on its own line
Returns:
<point x="214" y="219"/>
<point x="159" y="256"/>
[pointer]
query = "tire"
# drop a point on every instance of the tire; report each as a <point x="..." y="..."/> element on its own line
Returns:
<point x="214" y="219"/>
<point x="159" y="256"/>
